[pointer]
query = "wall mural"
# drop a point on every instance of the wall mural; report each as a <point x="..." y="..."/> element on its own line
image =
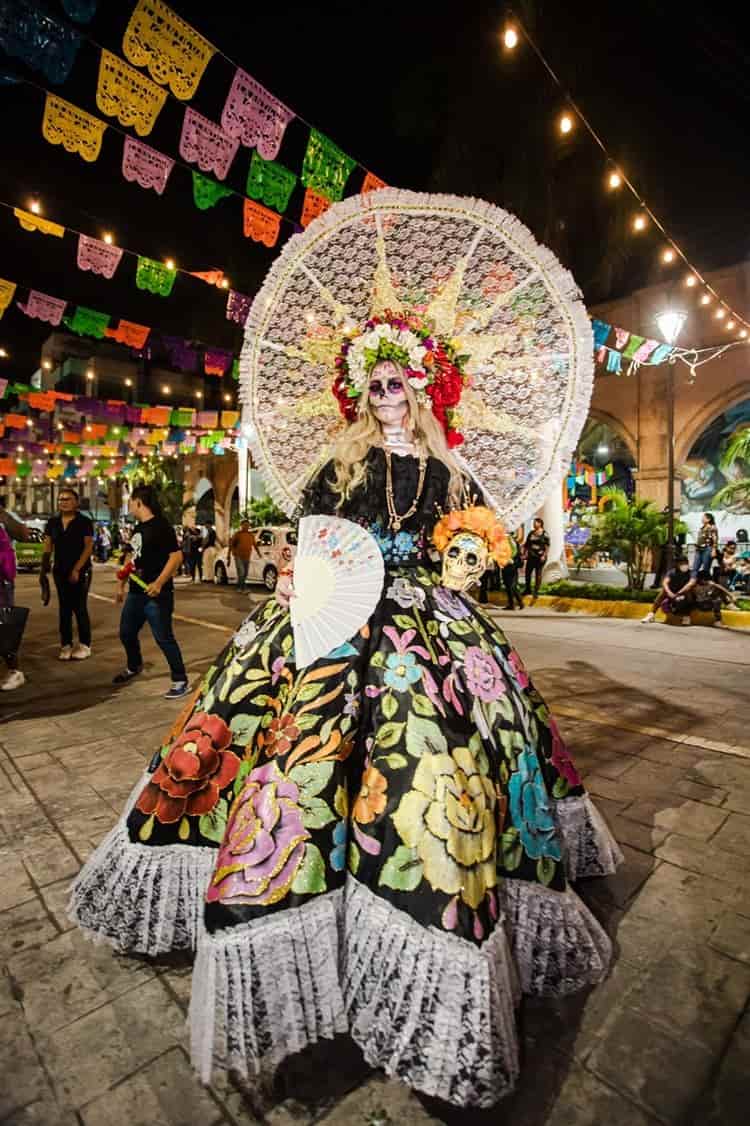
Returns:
<point x="708" y="470"/>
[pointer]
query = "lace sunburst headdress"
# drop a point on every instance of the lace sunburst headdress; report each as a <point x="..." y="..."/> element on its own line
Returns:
<point x="450" y="279"/>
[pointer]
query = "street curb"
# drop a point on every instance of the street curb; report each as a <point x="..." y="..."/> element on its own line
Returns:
<point x="736" y="619"/>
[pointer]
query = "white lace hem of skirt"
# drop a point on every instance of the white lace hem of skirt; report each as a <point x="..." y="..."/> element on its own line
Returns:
<point x="142" y="899"/>
<point x="432" y="1009"/>
<point x="589" y="847"/>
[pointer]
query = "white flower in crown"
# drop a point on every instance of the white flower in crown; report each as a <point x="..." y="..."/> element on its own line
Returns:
<point x="360" y="360"/>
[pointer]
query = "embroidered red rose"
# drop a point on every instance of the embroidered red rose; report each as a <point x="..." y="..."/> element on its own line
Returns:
<point x="191" y="776"/>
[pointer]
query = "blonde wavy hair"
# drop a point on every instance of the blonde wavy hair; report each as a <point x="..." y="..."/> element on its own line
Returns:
<point x="349" y="453"/>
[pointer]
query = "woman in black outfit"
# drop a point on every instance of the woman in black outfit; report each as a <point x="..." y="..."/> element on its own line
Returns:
<point x="535" y="549"/>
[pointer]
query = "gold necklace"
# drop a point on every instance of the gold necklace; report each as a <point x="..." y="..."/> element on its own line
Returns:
<point x="396" y="519"/>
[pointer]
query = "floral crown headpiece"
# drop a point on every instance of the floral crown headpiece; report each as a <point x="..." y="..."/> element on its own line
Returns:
<point x="478" y="521"/>
<point x="432" y="367"/>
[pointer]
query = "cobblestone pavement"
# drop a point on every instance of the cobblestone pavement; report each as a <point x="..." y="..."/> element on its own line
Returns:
<point x="659" y="721"/>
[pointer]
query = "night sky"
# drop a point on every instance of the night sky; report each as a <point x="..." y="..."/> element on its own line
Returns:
<point x="423" y="95"/>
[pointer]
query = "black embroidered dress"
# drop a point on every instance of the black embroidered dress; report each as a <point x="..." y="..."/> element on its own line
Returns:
<point x="380" y="843"/>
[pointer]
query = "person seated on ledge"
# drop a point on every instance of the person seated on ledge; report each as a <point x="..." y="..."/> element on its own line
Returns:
<point x="674" y="596"/>
<point x="707" y="595"/>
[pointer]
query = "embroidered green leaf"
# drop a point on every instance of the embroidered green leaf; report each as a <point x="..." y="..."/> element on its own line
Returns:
<point x="245" y="768"/>
<point x="241" y="692"/>
<point x="308" y="692"/>
<point x="389" y="705"/>
<point x="433" y="628"/>
<point x="457" y="649"/>
<point x="244" y="728"/>
<point x="377" y="661"/>
<point x="501" y="707"/>
<point x="213" y="824"/>
<point x="424" y="737"/>
<point x="504" y="774"/>
<point x="307" y="721"/>
<point x="316" y="813"/>
<point x="511" y="848"/>
<point x="311" y="874"/>
<point x="402" y="871"/>
<point x="403" y="621"/>
<point x="341" y="802"/>
<point x="394" y="760"/>
<point x="286" y="644"/>
<point x="183" y="830"/>
<point x="545" y="870"/>
<point x="560" y="788"/>
<point x="353" y="858"/>
<point x="461" y="628"/>
<point x="311" y="777"/>
<point x="422" y="705"/>
<point x="389" y="735"/>
<point x="208" y="701"/>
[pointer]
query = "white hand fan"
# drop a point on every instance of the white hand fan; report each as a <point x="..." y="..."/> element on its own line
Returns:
<point x="338" y="580"/>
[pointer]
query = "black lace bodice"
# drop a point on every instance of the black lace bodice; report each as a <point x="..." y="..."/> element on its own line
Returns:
<point x="367" y="505"/>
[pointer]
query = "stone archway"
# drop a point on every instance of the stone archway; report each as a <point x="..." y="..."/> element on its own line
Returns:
<point x="705" y="415"/>
<point x="619" y="428"/>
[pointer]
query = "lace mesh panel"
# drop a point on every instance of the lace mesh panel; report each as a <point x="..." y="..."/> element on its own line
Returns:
<point x="590" y="848"/>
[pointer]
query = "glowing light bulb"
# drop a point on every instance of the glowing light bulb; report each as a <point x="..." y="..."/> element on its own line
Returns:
<point x="639" y="223"/>
<point x="20" y="449"/>
<point x="29" y="422"/>
<point x="224" y="283"/>
<point x="35" y="207"/>
<point x="108" y="238"/>
<point x="47" y="365"/>
<point x="615" y="180"/>
<point x="510" y="38"/>
<point x="729" y="325"/>
<point x="706" y="299"/>
<point x="90" y="374"/>
<point x="128" y="382"/>
<point x="60" y="426"/>
<point x="88" y="429"/>
<point x="227" y="398"/>
<point x="691" y="281"/>
<point x="165" y="389"/>
<point x="566" y="123"/>
<point x="743" y="333"/>
<point x="3" y="354"/>
<point x="116" y="431"/>
<point x="720" y="314"/>
<point x="199" y="394"/>
<point x="668" y="256"/>
<point x="169" y="263"/>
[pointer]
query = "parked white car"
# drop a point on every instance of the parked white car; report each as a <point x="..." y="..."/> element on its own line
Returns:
<point x="277" y="547"/>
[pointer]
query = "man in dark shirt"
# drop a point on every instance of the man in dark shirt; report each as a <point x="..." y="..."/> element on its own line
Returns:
<point x="155" y="557"/>
<point x="675" y="595"/>
<point x="68" y="543"/>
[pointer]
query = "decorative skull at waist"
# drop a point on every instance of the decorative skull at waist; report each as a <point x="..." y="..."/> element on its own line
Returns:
<point x="464" y="561"/>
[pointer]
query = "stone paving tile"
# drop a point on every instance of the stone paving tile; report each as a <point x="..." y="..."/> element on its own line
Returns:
<point x="690" y="818"/>
<point x="695" y="993"/>
<point x="55" y="898"/>
<point x="379" y="1100"/>
<point x="690" y="901"/>
<point x="585" y="1101"/>
<point x="164" y="1092"/>
<point x="69" y="977"/>
<point x="661" y="1072"/>
<point x="734" y="835"/>
<point x="8" y="997"/>
<point x="22" y="1079"/>
<point x="42" y="1112"/>
<point x="15" y="886"/>
<point x="619" y="889"/>
<point x="645" y="838"/>
<point x="105" y="1046"/>
<point x="700" y="792"/>
<point x="724" y="1103"/>
<point x="46" y="856"/>
<point x="732" y="936"/>
<point x="24" y="926"/>
<point x="707" y="859"/>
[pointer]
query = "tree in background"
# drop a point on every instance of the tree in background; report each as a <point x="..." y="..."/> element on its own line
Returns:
<point x="261" y="511"/>
<point x="166" y="478"/>
<point x="631" y="531"/>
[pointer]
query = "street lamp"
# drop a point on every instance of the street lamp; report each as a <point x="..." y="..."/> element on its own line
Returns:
<point x="670" y="323"/>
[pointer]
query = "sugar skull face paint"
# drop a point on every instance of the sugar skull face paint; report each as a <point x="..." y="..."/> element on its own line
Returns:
<point x="387" y="394"/>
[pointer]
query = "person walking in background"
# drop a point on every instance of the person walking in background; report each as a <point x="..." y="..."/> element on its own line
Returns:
<point x="707" y="545"/>
<point x="155" y="559"/>
<point x="12" y="632"/>
<point x="536" y="549"/>
<point x="241" y="546"/>
<point x="511" y="572"/>
<point x="194" y="552"/>
<point x="675" y="595"/>
<point x="707" y="595"/>
<point x="69" y="540"/>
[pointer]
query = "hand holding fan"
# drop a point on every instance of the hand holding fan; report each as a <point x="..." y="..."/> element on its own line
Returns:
<point x="338" y="580"/>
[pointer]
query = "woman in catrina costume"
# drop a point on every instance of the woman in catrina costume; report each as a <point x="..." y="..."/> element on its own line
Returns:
<point x="382" y="843"/>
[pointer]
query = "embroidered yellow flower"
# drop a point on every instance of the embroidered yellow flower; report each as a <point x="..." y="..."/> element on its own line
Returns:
<point x="449" y="818"/>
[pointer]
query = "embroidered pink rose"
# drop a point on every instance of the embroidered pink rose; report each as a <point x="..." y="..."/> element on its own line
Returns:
<point x="484" y="677"/>
<point x="560" y="758"/>
<point x="264" y="842"/>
